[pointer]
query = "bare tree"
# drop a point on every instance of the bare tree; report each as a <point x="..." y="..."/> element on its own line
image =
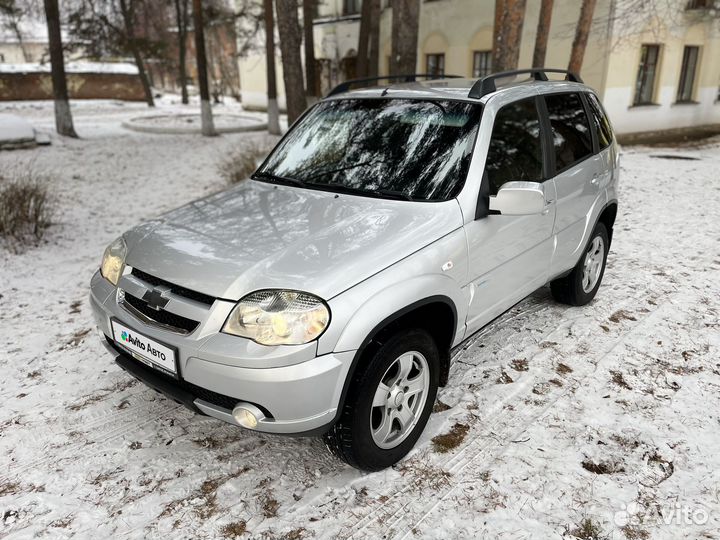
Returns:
<point x="111" y="28"/>
<point x="273" y="114"/>
<point x="374" y="39"/>
<point x="581" y="36"/>
<point x="311" y="83"/>
<point x="12" y="12"/>
<point x="543" y="31"/>
<point x="208" y="127"/>
<point x="507" y="33"/>
<point x="290" y="43"/>
<point x="181" y="21"/>
<point x="405" y="20"/>
<point x="63" y="116"/>
<point x="363" y="40"/>
<point x="127" y="9"/>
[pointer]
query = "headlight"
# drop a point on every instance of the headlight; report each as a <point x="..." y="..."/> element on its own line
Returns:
<point x="113" y="261"/>
<point x="278" y="317"/>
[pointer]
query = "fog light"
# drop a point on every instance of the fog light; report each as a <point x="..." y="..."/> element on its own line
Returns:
<point x="247" y="415"/>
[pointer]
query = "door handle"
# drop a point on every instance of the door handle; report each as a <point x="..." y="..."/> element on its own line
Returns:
<point x="595" y="180"/>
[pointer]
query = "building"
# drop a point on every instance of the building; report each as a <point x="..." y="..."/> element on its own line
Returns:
<point x="26" y="44"/>
<point x="655" y="68"/>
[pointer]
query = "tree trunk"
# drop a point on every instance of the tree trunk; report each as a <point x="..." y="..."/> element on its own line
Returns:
<point x="543" y="31"/>
<point x="581" y="36"/>
<point x="290" y="43"/>
<point x="208" y="128"/>
<point x="181" y="10"/>
<point x="63" y="116"/>
<point x="507" y="33"/>
<point x="363" y="40"/>
<point x="374" y="39"/>
<point x="311" y="89"/>
<point x="273" y="113"/>
<point x="135" y="50"/>
<point x="405" y="19"/>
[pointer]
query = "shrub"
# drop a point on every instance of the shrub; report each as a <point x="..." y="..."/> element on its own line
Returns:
<point x="242" y="163"/>
<point x="25" y="206"/>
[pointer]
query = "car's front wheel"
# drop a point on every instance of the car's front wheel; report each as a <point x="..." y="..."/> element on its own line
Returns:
<point x="389" y="402"/>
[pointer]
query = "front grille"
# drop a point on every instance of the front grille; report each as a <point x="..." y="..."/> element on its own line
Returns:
<point x="177" y="289"/>
<point x="221" y="400"/>
<point x="182" y="324"/>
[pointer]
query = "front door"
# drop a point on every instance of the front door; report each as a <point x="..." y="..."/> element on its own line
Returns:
<point x="509" y="256"/>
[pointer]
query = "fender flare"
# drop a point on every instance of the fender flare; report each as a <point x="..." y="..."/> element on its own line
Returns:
<point x="378" y="328"/>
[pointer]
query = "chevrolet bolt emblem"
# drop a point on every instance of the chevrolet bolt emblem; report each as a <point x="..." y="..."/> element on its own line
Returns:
<point x="155" y="298"/>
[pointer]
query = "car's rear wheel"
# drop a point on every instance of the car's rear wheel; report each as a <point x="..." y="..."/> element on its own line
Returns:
<point x="580" y="286"/>
<point x="388" y="403"/>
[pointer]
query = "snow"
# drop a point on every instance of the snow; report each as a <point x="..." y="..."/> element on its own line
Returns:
<point x="15" y="129"/>
<point x="73" y="67"/>
<point x="628" y="385"/>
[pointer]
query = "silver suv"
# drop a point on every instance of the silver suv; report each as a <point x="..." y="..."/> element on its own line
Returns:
<point x="324" y="295"/>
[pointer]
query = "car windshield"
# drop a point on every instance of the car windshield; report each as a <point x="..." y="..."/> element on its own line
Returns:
<point x="391" y="148"/>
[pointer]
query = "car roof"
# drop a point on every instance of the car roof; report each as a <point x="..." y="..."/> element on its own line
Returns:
<point x="457" y="89"/>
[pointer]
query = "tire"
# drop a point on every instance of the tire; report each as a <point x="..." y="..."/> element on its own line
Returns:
<point x="572" y="289"/>
<point x="351" y="438"/>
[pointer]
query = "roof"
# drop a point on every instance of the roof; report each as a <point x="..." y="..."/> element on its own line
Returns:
<point x="452" y="88"/>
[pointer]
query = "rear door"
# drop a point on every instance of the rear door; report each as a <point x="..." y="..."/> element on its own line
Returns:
<point x="577" y="172"/>
<point x="509" y="256"/>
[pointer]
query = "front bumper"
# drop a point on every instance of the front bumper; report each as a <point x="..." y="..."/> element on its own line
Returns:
<point x="297" y="391"/>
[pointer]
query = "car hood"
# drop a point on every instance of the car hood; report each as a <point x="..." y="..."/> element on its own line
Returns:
<point x="259" y="236"/>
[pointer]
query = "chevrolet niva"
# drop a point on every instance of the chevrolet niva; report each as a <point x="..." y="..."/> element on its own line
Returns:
<point x="323" y="295"/>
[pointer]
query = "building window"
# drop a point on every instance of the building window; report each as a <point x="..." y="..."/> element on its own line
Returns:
<point x="645" y="85"/>
<point x="435" y="64"/>
<point x="687" y="74"/>
<point x="351" y="7"/>
<point x="482" y="63"/>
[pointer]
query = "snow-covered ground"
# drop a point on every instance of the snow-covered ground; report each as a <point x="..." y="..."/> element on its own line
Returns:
<point x="609" y="413"/>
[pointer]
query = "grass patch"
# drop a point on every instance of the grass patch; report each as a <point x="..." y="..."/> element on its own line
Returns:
<point x="602" y="467"/>
<point x="622" y="315"/>
<point x="234" y="529"/>
<point x="563" y="369"/>
<point x="448" y="441"/>
<point x="635" y="533"/>
<point x="519" y="364"/>
<point x="239" y="165"/>
<point x="270" y="506"/>
<point x="26" y="206"/>
<point x="441" y="407"/>
<point x="619" y="379"/>
<point x="588" y="529"/>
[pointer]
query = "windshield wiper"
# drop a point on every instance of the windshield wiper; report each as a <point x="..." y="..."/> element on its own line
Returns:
<point x="377" y="193"/>
<point x="392" y="194"/>
<point x="275" y="179"/>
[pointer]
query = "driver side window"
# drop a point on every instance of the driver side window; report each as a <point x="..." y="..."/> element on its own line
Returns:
<point x="515" y="152"/>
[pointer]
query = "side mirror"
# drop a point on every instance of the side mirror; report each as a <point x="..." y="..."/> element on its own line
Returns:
<point x="519" y="199"/>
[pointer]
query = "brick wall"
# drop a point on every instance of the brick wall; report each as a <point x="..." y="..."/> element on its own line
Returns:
<point x="38" y="85"/>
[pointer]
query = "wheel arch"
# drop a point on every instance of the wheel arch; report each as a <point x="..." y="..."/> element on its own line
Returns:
<point x="607" y="217"/>
<point x="436" y="314"/>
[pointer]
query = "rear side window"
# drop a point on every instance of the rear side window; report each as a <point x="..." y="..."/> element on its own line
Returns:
<point x="602" y="125"/>
<point x="570" y="129"/>
<point x="515" y="152"/>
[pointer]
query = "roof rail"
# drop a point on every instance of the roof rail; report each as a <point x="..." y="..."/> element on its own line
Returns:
<point x="345" y="85"/>
<point x="486" y="85"/>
